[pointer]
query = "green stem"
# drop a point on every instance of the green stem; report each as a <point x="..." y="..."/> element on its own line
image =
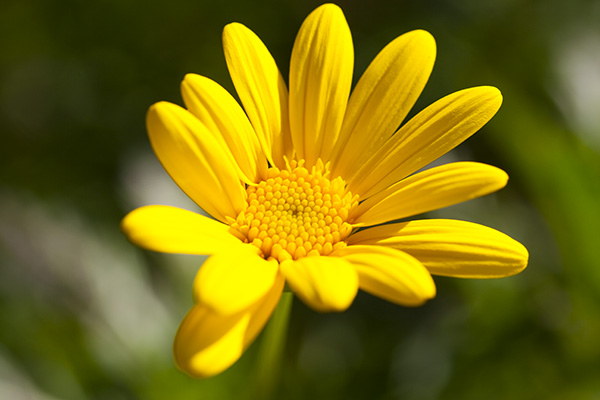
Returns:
<point x="271" y="349"/>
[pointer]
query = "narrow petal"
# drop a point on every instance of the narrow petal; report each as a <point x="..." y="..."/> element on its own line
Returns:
<point x="174" y="230"/>
<point x="320" y="79"/>
<point x="196" y="161"/>
<point x="207" y="343"/>
<point x="261" y="88"/>
<point x="451" y="248"/>
<point x="222" y="115"/>
<point x="432" y="189"/>
<point x="390" y="274"/>
<point x="383" y="97"/>
<point x="231" y="281"/>
<point x="323" y="283"/>
<point x="429" y="135"/>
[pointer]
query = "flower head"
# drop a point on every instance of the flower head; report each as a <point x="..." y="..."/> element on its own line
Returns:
<point x="301" y="182"/>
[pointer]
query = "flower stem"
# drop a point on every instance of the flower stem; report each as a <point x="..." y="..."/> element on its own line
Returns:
<point x="271" y="349"/>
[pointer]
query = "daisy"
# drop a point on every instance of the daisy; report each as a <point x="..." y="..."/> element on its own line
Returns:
<point x="304" y="184"/>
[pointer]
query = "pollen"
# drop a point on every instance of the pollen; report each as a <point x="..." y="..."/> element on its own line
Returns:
<point x="296" y="212"/>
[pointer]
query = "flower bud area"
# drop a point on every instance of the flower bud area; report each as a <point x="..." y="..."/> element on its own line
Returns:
<point x="296" y="212"/>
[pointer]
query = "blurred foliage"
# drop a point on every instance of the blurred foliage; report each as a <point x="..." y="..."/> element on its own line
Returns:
<point x="84" y="315"/>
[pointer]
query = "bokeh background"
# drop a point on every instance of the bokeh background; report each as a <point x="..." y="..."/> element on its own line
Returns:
<point x="85" y="315"/>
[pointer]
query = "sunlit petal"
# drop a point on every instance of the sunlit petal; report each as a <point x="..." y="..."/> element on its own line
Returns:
<point x="383" y="97"/>
<point x="222" y="115"/>
<point x="429" y="190"/>
<point x="323" y="283"/>
<point x="320" y="79"/>
<point x="207" y="343"/>
<point x="390" y="274"/>
<point x="231" y="281"/>
<point x="429" y="135"/>
<point x="261" y="88"/>
<point x="451" y="248"/>
<point x="196" y="161"/>
<point x="174" y="230"/>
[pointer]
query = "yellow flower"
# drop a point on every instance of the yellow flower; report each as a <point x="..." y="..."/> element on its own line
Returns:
<point x="301" y="182"/>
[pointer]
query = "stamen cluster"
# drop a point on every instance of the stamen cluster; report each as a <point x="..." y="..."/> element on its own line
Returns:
<point x="295" y="212"/>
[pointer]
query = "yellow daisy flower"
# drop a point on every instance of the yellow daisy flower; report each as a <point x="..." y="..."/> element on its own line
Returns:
<point x="301" y="183"/>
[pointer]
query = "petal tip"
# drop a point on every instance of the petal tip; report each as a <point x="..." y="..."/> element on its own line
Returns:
<point x="230" y="30"/>
<point x="153" y="109"/>
<point x="495" y="94"/>
<point x="499" y="176"/>
<point x="160" y="108"/>
<point x="330" y="11"/>
<point x="188" y="368"/>
<point x="424" y="37"/>
<point x="192" y="365"/>
<point x="329" y="7"/>
<point x="232" y="25"/>
<point x="523" y="261"/>
<point x="190" y="77"/>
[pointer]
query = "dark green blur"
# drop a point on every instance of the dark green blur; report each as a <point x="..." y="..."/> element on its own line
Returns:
<point x="85" y="315"/>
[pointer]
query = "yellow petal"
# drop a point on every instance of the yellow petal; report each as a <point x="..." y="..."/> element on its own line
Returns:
<point x="207" y="343"/>
<point x="231" y="281"/>
<point x="196" y="161"/>
<point x="323" y="283"/>
<point x="430" y="134"/>
<point x="383" y="97"/>
<point x="390" y="274"/>
<point x="223" y="116"/>
<point x="432" y="189"/>
<point x="451" y="248"/>
<point x="174" y="230"/>
<point x="261" y="88"/>
<point x="320" y="79"/>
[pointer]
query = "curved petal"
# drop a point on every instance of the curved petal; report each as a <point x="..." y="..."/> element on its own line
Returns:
<point x="451" y="248"/>
<point x="323" y="283"/>
<point x="432" y="189"/>
<point x="383" y="97"/>
<point x="231" y="281"/>
<point x="222" y="115"/>
<point x="320" y="80"/>
<point x="261" y="88"/>
<point x="207" y="343"/>
<point x="429" y="135"/>
<point x="195" y="160"/>
<point x="390" y="274"/>
<point x="174" y="230"/>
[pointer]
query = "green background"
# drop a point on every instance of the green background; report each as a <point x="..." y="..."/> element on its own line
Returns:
<point x="85" y="315"/>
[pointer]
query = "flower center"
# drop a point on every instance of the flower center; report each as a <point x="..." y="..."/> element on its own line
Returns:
<point x="295" y="212"/>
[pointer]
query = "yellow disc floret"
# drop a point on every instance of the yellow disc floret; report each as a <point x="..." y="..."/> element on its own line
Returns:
<point x="296" y="212"/>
